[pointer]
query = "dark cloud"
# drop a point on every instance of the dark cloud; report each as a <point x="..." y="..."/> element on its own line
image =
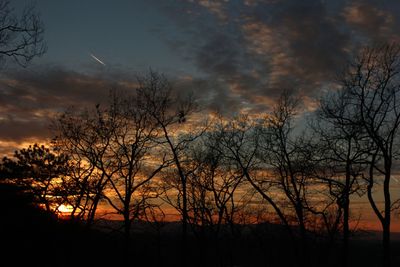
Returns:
<point x="49" y="88"/>
<point x="13" y="130"/>
<point x="314" y="44"/>
<point x="30" y="98"/>
<point x="256" y="48"/>
<point x="374" y="20"/>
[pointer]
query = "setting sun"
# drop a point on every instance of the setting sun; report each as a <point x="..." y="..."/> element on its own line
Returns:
<point x="65" y="208"/>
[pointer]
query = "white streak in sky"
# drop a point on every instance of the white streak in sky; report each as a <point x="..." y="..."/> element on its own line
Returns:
<point x="98" y="60"/>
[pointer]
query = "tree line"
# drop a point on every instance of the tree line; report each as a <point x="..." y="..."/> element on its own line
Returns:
<point x="147" y="149"/>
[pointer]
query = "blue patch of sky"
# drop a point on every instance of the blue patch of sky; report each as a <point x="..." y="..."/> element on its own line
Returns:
<point x="124" y="34"/>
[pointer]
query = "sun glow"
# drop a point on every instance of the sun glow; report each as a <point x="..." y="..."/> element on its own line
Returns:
<point x="64" y="208"/>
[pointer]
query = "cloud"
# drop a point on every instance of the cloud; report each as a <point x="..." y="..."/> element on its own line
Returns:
<point x="20" y="130"/>
<point x="31" y="98"/>
<point x="374" y="22"/>
<point x="246" y="52"/>
<point x="306" y="46"/>
<point x="254" y="49"/>
<point x="217" y="7"/>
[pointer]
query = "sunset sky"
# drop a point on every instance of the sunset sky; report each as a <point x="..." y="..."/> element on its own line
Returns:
<point x="234" y="55"/>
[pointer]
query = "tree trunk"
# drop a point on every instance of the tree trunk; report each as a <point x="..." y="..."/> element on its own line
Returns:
<point x="184" y="216"/>
<point x="386" y="221"/>
<point x="303" y="248"/>
<point x="92" y="211"/>
<point x="127" y="237"/>
<point x="346" y="231"/>
<point x="346" y="211"/>
<point x="386" y="244"/>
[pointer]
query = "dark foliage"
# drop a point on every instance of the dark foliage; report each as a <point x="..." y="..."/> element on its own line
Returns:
<point x="33" y="237"/>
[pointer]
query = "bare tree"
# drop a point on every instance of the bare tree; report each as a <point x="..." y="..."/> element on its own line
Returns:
<point x="341" y="150"/>
<point x="125" y="145"/>
<point x="215" y="176"/>
<point x="133" y="163"/>
<point x="239" y="140"/>
<point x="85" y="136"/>
<point x="278" y="165"/>
<point x="77" y="185"/>
<point x="170" y="113"/>
<point x="371" y="87"/>
<point x="21" y="38"/>
<point x="212" y="184"/>
<point x="287" y="158"/>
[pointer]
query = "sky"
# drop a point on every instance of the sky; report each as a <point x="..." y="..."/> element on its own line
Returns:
<point x="235" y="55"/>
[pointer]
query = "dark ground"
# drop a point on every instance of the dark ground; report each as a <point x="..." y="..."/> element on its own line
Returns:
<point x="30" y="237"/>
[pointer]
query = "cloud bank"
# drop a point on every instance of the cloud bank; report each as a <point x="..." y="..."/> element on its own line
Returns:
<point x="246" y="52"/>
<point x="256" y="48"/>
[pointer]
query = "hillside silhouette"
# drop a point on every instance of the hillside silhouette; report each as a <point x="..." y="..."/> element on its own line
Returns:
<point x="33" y="237"/>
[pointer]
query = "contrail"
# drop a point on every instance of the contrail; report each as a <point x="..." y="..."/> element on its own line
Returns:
<point x="98" y="60"/>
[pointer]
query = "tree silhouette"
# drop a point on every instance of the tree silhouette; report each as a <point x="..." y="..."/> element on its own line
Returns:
<point x="214" y="182"/>
<point x="85" y="137"/>
<point x="129" y="171"/>
<point x="169" y="112"/>
<point x="371" y="88"/>
<point x="21" y="38"/>
<point x="36" y="168"/>
<point x="140" y="149"/>
<point x="343" y="151"/>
